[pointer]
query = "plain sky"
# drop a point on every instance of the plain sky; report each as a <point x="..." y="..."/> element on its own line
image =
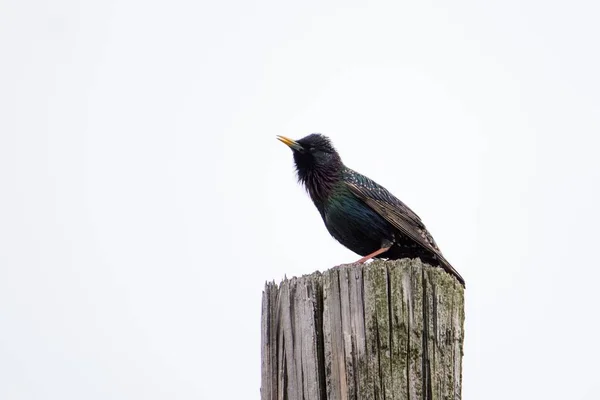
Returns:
<point x="144" y="200"/>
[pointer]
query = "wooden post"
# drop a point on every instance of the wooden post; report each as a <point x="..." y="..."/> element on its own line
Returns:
<point x="385" y="330"/>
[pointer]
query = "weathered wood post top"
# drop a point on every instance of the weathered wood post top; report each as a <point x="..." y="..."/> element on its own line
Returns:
<point x="385" y="330"/>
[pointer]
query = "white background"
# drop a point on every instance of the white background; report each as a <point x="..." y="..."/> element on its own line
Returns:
<point x="144" y="199"/>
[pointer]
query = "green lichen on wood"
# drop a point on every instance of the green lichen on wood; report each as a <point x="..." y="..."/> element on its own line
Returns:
<point x="386" y="330"/>
<point x="399" y="328"/>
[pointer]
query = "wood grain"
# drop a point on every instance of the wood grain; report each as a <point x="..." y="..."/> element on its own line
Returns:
<point x="386" y="330"/>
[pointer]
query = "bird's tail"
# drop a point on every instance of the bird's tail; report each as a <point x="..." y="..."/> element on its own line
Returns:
<point x="449" y="268"/>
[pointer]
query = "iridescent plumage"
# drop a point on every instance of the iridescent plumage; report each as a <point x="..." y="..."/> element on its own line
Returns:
<point x="359" y="213"/>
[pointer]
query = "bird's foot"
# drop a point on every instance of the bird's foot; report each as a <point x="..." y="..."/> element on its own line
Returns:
<point x="363" y="260"/>
<point x="373" y="254"/>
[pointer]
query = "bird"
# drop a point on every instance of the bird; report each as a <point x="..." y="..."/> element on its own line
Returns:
<point x="358" y="212"/>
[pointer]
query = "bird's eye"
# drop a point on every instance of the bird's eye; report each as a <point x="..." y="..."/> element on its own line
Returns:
<point x="311" y="149"/>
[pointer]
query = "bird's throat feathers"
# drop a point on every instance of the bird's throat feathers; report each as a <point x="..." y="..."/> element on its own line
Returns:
<point x="318" y="165"/>
<point x="320" y="183"/>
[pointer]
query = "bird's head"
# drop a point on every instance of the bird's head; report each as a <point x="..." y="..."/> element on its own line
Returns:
<point x="317" y="161"/>
<point x="313" y="152"/>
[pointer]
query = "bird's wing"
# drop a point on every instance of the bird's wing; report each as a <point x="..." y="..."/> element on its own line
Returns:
<point x="396" y="213"/>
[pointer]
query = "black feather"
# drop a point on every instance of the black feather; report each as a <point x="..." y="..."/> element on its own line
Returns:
<point x="359" y="213"/>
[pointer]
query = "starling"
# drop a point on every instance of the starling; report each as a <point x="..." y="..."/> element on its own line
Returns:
<point x="359" y="213"/>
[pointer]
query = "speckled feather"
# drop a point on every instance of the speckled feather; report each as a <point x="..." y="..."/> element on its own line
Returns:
<point x="396" y="213"/>
<point x="359" y="213"/>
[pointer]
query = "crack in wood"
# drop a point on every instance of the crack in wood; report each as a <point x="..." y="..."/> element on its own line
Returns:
<point x="324" y="335"/>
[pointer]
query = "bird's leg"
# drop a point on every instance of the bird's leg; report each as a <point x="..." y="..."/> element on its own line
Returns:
<point x="385" y="247"/>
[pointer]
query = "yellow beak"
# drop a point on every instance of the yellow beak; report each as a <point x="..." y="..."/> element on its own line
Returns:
<point x="291" y="143"/>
